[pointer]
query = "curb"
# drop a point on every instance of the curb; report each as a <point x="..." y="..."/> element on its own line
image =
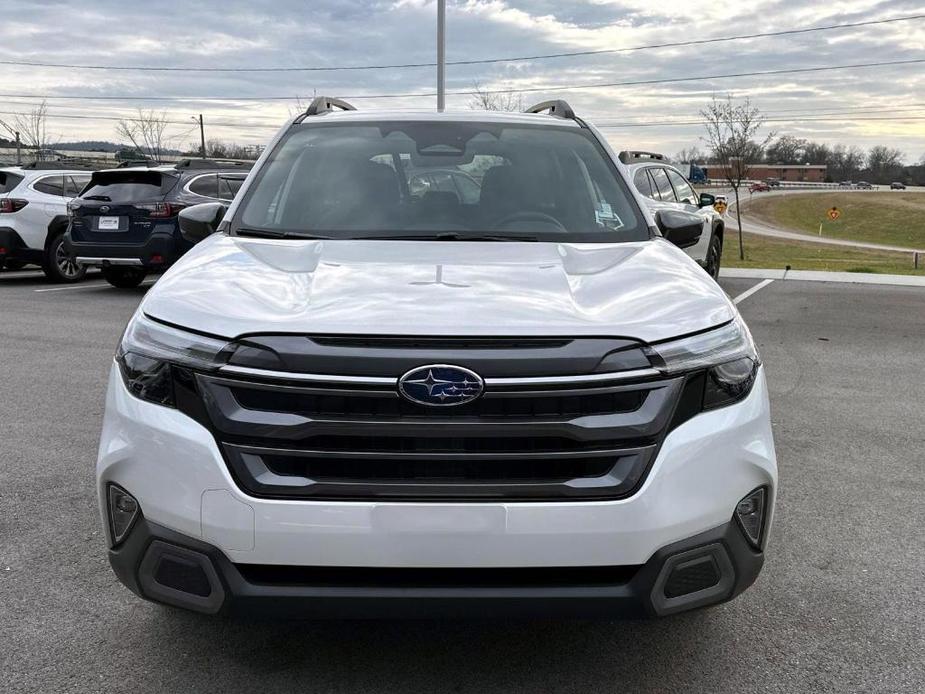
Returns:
<point x="821" y="276"/>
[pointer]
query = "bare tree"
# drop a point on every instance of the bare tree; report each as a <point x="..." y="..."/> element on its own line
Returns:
<point x="786" y="150"/>
<point x="216" y="149"/>
<point x="885" y="163"/>
<point x="495" y="100"/>
<point x="146" y="133"/>
<point x="845" y="162"/>
<point x="731" y="130"/>
<point x="32" y="129"/>
<point x="690" y="155"/>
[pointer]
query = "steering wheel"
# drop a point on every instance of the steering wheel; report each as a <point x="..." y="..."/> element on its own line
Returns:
<point x="529" y="216"/>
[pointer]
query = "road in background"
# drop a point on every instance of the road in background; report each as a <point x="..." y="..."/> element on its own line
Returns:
<point x="838" y="607"/>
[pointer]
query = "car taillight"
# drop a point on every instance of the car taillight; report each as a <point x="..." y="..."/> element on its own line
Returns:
<point x="160" y="210"/>
<point x="12" y="204"/>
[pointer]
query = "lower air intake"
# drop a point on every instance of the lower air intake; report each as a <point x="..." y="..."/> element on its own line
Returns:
<point x="184" y="575"/>
<point x="691" y="576"/>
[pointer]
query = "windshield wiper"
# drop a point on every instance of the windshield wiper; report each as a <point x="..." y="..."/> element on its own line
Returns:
<point x="101" y="198"/>
<point x="269" y="234"/>
<point x="449" y="236"/>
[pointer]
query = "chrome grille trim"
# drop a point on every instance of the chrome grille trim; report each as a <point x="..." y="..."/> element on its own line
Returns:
<point x="489" y="382"/>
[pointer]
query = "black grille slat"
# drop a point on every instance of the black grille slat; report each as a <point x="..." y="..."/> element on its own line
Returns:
<point x="370" y="471"/>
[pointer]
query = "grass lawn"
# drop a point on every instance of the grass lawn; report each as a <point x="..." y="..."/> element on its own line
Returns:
<point x="766" y="252"/>
<point x="888" y="217"/>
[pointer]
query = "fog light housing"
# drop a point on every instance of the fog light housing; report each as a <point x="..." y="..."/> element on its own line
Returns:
<point x="750" y="513"/>
<point x="123" y="512"/>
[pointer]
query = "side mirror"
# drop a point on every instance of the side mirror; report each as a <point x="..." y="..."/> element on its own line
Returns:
<point x="199" y="221"/>
<point x="683" y="229"/>
<point x="707" y="200"/>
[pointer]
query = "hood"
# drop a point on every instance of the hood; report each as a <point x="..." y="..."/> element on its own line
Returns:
<point x="231" y="286"/>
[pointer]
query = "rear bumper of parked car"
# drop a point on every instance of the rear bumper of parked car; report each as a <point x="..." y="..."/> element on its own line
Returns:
<point x="12" y="247"/>
<point x="159" y="251"/>
<point x="204" y="544"/>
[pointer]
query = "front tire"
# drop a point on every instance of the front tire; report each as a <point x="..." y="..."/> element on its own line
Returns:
<point x="58" y="266"/>
<point x="714" y="256"/>
<point x="124" y="277"/>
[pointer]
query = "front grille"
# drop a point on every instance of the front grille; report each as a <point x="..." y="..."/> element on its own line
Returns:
<point x="350" y="436"/>
<point x="389" y="404"/>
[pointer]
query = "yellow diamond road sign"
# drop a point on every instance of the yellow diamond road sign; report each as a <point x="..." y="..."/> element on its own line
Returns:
<point x="834" y="213"/>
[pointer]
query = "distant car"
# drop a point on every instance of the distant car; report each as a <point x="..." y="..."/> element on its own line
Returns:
<point x="33" y="218"/>
<point x="759" y="187"/>
<point x="896" y="185"/>
<point x="773" y="182"/>
<point x="125" y="220"/>
<point x="664" y="187"/>
<point x="864" y="184"/>
<point x="846" y="184"/>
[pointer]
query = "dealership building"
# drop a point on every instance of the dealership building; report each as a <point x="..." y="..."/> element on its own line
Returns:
<point x="788" y="172"/>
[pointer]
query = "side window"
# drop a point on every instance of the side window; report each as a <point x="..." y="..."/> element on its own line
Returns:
<point x="50" y="185"/>
<point x="663" y="188"/>
<point x="682" y="188"/>
<point x="643" y="183"/>
<point x="75" y="184"/>
<point x="228" y="187"/>
<point x="206" y="185"/>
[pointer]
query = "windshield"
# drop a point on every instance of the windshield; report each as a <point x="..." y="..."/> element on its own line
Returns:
<point x="452" y="180"/>
<point x="128" y="186"/>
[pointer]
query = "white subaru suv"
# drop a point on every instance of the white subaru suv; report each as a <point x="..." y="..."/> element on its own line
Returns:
<point x="33" y="218"/>
<point x="361" y="398"/>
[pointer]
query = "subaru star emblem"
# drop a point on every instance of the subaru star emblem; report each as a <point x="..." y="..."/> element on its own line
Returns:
<point x="441" y="384"/>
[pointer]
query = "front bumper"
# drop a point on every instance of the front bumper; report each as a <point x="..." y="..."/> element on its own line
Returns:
<point x="173" y="466"/>
<point x="164" y="566"/>
<point x="161" y="244"/>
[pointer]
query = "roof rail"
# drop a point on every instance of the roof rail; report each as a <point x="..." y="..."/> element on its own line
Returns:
<point x="212" y="164"/>
<point x="325" y="104"/>
<point x="128" y="163"/>
<point x="556" y="107"/>
<point x="58" y="165"/>
<point x="636" y="156"/>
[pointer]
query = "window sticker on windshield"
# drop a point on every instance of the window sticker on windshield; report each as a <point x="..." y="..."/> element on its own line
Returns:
<point x="605" y="216"/>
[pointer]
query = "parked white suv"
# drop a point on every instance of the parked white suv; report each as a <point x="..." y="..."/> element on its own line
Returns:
<point x="664" y="187"/>
<point x="357" y="399"/>
<point x="33" y="219"/>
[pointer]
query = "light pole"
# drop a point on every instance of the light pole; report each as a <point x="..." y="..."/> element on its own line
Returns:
<point x="202" y="136"/>
<point x="441" y="55"/>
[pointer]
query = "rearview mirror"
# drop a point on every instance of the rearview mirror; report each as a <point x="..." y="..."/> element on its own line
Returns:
<point x="199" y="221"/>
<point x="683" y="229"/>
<point x="707" y="200"/>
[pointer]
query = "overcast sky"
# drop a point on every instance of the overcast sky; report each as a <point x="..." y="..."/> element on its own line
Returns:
<point x="235" y="34"/>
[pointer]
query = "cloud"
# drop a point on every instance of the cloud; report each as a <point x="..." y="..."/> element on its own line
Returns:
<point x="239" y="33"/>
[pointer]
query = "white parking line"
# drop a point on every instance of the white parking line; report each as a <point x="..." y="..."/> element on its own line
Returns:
<point x="88" y="286"/>
<point x="748" y="292"/>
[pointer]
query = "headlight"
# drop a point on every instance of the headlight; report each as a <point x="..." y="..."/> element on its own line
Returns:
<point x="727" y="354"/>
<point x="150" y="351"/>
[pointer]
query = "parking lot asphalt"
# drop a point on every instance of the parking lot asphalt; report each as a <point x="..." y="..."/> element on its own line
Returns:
<point x="839" y="607"/>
